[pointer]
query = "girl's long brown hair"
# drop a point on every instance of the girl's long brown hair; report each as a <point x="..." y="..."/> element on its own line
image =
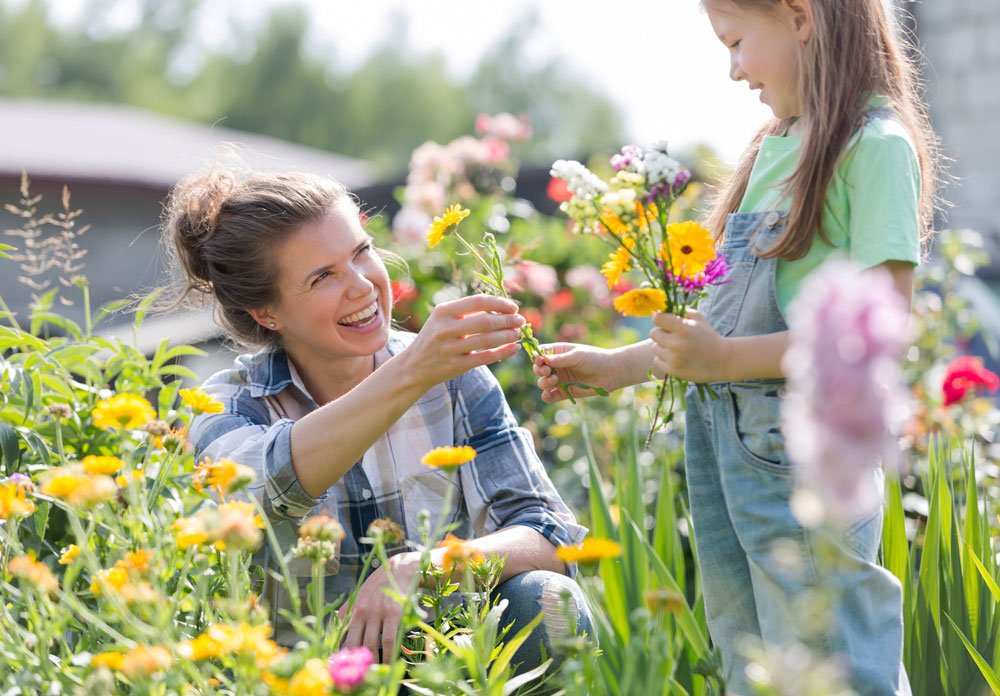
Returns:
<point x="853" y="54"/>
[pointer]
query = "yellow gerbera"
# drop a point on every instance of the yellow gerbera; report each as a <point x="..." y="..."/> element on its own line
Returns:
<point x="200" y="401"/>
<point x="453" y="215"/>
<point x="448" y="457"/>
<point x="641" y="302"/>
<point x="590" y="551"/>
<point x="688" y="250"/>
<point x="123" y="411"/>
<point x="101" y="465"/>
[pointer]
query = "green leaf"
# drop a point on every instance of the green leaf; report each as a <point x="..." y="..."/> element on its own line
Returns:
<point x="895" y="547"/>
<point x="10" y="448"/>
<point x="991" y="676"/>
<point x="143" y="307"/>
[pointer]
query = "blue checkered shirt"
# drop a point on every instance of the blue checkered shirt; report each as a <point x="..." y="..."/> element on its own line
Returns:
<point x="505" y="485"/>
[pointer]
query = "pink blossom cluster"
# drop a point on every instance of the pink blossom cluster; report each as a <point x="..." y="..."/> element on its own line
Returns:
<point x="845" y="396"/>
<point x="348" y="668"/>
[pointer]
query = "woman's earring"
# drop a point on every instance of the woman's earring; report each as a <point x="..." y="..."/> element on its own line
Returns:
<point x="272" y="325"/>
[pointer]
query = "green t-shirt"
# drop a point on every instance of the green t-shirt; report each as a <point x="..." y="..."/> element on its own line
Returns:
<point x="872" y="210"/>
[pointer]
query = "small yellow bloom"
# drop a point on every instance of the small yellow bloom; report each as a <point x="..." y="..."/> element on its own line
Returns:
<point x="144" y="661"/>
<point x="136" y="561"/>
<point x="109" y="660"/>
<point x="313" y="678"/>
<point x="618" y="262"/>
<point x="123" y="411"/>
<point x="134" y="475"/>
<point x="32" y="572"/>
<point x="448" y="457"/>
<point x="239" y="526"/>
<point x="200" y="401"/>
<point x="109" y="579"/>
<point x="13" y="501"/>
<point x="688" y="250"/>
<point x="69" y="555"/>
<point x="590" y="551"/>
<point x="189" y="531"/>
<point x="78" y="488"/>
<point x="441" y="225"/>
<point x="101" y="465"/>
<point x="641" y="302"/>
<point x="458" y="553"/>
<point x="225" y="475"/>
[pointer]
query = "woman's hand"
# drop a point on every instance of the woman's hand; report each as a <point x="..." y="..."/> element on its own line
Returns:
<point x="462" y="334"/>
<point x="688" y="348"/>
<point x="376" y="616"/>
<point x="571" y="362"/>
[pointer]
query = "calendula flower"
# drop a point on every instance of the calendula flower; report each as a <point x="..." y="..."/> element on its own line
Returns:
<point x="448" y="457"/>
<point x="453" y="215"/>
<point x="69" y="554"/>
<point x="386" y="529"/>
<point x="200" y="402"/>
<point x="33" y="573"/>
<point x="458" y="553"/>
<point x="221" y="640"/>
<point x="238" y="526"/>
<point x="348" y="667"/>
<point x="590" y="551"/>
<point x="125" y="411"/>
<point x="111" y="659"/>
<point x="144" y="661"/>
<point x="14" y="501"/>
<point x="321" y="527"/>
<point x="102" y="465"/>
<point x="312" y="679"/>
<point x="618" y="262"/>
<point x="688" y="250"/>
<point x="135" y="475"/>
<point x="189" y="531"/>
<point x="225" y="475"/>
<point x="109" y="580"/>
<point x="78" y="488"/>
<point x="641" y="302"/>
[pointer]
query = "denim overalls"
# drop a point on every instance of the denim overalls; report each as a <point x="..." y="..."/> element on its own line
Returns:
<point x="763" y="574"/>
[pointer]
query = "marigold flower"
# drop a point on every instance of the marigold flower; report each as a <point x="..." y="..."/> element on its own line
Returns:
<point x="590" y="551"/>
<point x="618" y="262"/>
<point x="967" y="374"/>
<point x="34" y="573"/>
<point x="108" y="660"/>
<point x="189" y="531"/>
<point x="225" y="475"/>
<point x="125" y="411"/>
<point x="14" y="501"/>
<point x="641" y="302"/>
<point x="69" y="554"/>
<point x="348" y="667"/>
<point x="221" y="640"/>
<point x="688" y="250"/>
<point x="239" y="526"/>
<point x="458" y="553"/>
<point x="109" y="579"/>
<point x="322" y="527"/>
<point x="199" y="401"/>
<point x="101" y="465"/>
<point x="453" y="215"/>
<point x="448" y="457"/>
<point x="78" y="488"/>
<point x="144" y="661"/>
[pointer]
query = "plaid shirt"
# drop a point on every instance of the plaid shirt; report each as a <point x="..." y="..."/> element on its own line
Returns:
<point x="505" y="485"/>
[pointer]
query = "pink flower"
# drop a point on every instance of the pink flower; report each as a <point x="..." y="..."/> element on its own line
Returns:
<point x="845" y="394"/>
<point x="349" y="666"/>
<point x="504" y="126"/>
<point x="536" y="278"/>
<point x="967" y="374"/>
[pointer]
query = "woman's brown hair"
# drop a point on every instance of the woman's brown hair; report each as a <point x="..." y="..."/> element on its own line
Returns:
<point x="854" y="53"/>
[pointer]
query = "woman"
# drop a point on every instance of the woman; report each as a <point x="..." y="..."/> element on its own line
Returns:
<point x="335" y="409"/>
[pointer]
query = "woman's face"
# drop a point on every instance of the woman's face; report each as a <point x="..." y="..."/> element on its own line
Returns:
<point x="333" y="291"/>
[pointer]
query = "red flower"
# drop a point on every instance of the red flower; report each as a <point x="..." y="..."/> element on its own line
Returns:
<point x="558" y="190"/>
<point x="964" y="374"/>
<point x="402" y="291"/>
<point x="562" y="300"/>
<point x="533" y="317"/>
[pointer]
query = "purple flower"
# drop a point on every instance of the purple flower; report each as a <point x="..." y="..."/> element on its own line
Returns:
<point x="712" y="275"/>
<point x="630" y="155"/>
<point x="349" y="666"/>
<point x="845" y="394"/>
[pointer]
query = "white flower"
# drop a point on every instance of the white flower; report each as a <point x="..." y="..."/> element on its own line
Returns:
<point x="582" y="182"/>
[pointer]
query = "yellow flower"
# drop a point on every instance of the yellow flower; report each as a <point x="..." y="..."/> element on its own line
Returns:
<point x="107" y="579"/>
<point x="69" y="555"/>
<point x="200" y="401"/>
<point x="590" y="551"/>
<point x="136" y="561"/>
<point x="101" y="465"/>
<point x="33" y="572"/>
<point x="618" y="262"/>
<point x="144" y="661"/>
<point x="189" y="531"/>
<point x="225" y="475"/>
<point x="13" y="501"/>
<point x="239" y="526"/>
<point x="448" y="457"/>
<point x="312" y="679"/>
<point x="688" y="250"/>
<point x="123" y="411"/>
<point x="457" y="553"/>
<point x="441" y="225"/>
<point x="641" y="302"/>
<point x="221" y="640"/>
<point x="77" y="488"/>
<point x="109" y="660"/>
<point x="134" y="475"/>
<point x="665" y="599"/>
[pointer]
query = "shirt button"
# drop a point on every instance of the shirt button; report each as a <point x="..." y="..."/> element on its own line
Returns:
<point x="375" y="563"/>
<point x="366" y="494"/>
<point x="772" y="218"/>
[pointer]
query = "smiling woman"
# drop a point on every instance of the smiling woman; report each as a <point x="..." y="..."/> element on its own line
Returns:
<point x="335" y="409"/>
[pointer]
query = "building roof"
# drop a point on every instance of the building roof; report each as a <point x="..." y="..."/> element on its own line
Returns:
<point x="106" y="143"/>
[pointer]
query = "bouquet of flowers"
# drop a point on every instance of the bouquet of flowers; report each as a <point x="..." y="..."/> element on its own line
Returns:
<point x="676" y="260"/>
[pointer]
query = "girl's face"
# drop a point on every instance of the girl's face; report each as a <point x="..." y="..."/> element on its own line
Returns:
<point x="764" y="47"/>
<point x="333" y="291"/>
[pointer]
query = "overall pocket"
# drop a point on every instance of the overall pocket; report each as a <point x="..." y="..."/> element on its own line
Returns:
<point x="756" y="422"/>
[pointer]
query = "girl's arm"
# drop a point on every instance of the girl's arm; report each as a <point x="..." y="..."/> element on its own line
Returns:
<point x="606" y="368"/>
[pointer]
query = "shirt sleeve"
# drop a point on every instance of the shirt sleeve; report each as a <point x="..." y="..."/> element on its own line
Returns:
<point x="507" y="484"/>
<point x="243" y="432"/>
<point x="883" y="189"/>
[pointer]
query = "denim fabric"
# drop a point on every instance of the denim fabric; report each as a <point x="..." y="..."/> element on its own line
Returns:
<point x="563" y="604"/>
<point x="763" y="573"/>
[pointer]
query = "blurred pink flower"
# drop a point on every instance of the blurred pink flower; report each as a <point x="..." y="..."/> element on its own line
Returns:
<point x="504" y="126"/>
<point x="409" y="226"/>
<point x="536" y="278"/>
<point x="349" y="666"/>
<point x="845" y="393"/>
<point x="589" y="279"/>
<point x="966" y="374"/>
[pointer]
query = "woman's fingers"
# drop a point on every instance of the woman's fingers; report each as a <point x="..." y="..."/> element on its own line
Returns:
<point x="355" y="632"/>
<point x="389" y="628"/>
<point x="464" y="306"/>
<point x="492" y="339"/>
<point x="373" y="635"/>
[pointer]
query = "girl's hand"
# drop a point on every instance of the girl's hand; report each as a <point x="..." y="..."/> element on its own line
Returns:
<point x="688" y="348"/>
<point x="574" y="363"/>
<point x="462" y="334"/>
<point x="376" y="616"/>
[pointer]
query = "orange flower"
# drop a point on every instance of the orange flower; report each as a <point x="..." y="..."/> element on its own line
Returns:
<point x="590" y="551"/>
<point x="442" y="225"/>
<point x="458" y="553"/>
<point x="13" y="500"/>
<point x="109" y="660"/>
<point x="69" y="554"/>
<point x="225" y="475"/>
<point x="32" y="572"/>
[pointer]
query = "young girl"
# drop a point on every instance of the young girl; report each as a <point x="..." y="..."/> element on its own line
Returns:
<point x="847" y="167"/>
